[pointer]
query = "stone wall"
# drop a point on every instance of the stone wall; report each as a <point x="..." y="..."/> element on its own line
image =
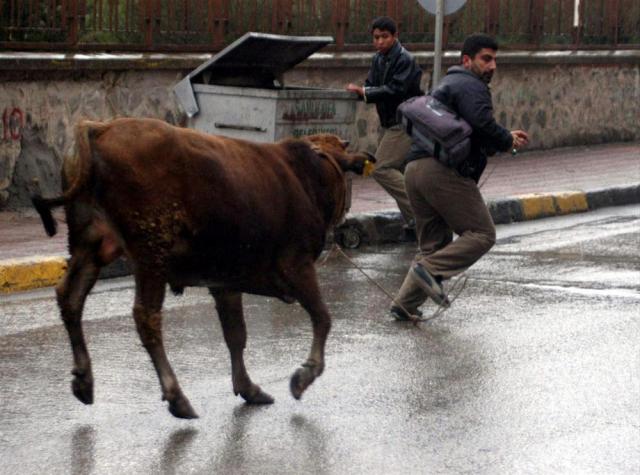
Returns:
<point x="42" y="108"/>
<point x="562" y="99"/>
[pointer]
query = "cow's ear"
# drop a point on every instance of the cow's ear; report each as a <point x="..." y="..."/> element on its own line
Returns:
<point x="360" y="163"/>
<point x="318" y="150"/>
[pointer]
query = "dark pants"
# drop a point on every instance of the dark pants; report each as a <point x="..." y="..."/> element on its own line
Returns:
<point x="444" y="202"/>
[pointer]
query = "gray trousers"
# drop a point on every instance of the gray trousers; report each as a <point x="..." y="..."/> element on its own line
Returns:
<point x="444" y="202"/>
<point x="392" y="150"/>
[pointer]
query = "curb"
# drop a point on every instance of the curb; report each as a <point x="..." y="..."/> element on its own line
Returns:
<point x="31" y="272"/>
<point x="387" y="226"/>
<point x="45" y="271"/>
<point x="360" y="229"/>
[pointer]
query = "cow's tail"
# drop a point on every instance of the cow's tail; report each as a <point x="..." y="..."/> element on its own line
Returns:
<point x="81" y="172"/>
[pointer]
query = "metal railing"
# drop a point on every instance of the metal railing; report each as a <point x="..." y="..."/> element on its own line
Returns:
<point x="208" y="25"/>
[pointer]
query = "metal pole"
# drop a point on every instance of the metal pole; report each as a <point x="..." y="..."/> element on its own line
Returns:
<point x="577" y="27"/>
<point x="437" y="53"/>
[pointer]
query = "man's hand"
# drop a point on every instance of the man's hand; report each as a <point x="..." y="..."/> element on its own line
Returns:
<point x="520" y="138"/>
<point x="355" y="88"/>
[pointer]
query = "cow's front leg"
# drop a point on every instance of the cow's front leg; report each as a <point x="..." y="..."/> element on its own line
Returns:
<point x="147" y="312"/>
<point x="72" y="292"/>
<point x="306" y="291"/>
<point x="229" y="306"/>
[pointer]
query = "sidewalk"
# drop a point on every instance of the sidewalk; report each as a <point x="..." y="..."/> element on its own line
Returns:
<point x="529" y="186"/>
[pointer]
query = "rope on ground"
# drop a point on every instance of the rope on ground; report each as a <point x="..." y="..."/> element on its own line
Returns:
<point x="457" y="284"/>
<point x="457" y="287"/>
<point x="487" y="176"/>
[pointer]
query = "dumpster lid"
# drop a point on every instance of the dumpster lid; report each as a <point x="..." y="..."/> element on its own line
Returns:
<point x="254" y="60"/>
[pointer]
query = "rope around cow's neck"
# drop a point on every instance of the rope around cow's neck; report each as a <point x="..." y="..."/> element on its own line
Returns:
<point x="456" y="288"/>
<point x="487" y="176"/>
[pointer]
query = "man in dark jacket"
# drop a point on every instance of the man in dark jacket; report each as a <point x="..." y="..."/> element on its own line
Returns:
<point x="447" y="200"/>
<point x="394" y="77"/>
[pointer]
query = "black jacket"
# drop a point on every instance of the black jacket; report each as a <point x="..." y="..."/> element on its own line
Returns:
<point x="468" y="95"/>
<point x="393" y="78"/>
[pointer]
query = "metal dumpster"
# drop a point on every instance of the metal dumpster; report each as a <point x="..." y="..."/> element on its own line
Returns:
<point x="240" y="92"/>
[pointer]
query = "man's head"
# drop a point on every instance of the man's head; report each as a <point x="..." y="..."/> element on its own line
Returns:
<point x="384" y="33"/>
<point x="479" y="55"/>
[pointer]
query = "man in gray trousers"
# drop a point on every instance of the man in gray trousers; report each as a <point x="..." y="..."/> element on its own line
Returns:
<point x="447" y="200"/>
<point x="393" y="78"/>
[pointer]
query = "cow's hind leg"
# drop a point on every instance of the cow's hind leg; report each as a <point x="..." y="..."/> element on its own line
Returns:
<point x="147" y="312"/>
<point x="306" y="291"/>
<point x="71" y="293"/>
<point x="229" y="306"/>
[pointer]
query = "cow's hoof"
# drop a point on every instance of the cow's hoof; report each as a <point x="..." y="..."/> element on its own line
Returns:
<point x="256" y="396"/>
<point x="300" y="381"/>
<point x="82" y="387"/>
<point x="182" y="409"/>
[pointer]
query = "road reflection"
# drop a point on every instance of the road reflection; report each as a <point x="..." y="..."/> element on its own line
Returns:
<point x="83" y="447"/>
<point x="175" y="449"/>
<point x="315" y="442"/>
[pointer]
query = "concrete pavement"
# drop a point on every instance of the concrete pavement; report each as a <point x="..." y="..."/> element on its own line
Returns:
<point x="534" y="369"/>
<point x="529" y="186"/>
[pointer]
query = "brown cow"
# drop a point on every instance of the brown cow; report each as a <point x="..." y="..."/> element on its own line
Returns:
<point x="191" y="209"/>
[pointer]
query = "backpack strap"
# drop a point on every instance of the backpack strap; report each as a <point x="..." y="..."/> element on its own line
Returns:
<point x="437" y="148"/>
<point x="408" y="126"/>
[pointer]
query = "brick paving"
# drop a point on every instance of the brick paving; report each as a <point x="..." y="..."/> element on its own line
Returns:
<point x="22" y="235"/>
<point x="544" y="171"/>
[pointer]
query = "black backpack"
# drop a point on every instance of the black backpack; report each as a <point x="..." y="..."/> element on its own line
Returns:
<point x="436" y="129"/>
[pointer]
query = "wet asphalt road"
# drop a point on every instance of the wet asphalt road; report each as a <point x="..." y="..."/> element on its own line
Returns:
<point x="535" y="369"/>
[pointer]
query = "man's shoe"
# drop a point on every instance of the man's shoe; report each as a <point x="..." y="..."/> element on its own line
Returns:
<point x="410" y="229"/>
<point x="430" y="285"/>
<point x="409" y="233"/>
<point x="402" y="316"/>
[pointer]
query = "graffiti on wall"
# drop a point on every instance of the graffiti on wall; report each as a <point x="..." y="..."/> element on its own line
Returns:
<point x="303" y="131"/>
<point x="12" y="123"/>
<point x="304" y="110"/>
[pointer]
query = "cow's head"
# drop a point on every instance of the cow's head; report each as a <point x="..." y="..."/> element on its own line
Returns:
<point x="334" y="147"/>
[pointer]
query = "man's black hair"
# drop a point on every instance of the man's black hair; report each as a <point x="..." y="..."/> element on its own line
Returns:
<point x="384" y="23"/>
<point x="474" y="43"/>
